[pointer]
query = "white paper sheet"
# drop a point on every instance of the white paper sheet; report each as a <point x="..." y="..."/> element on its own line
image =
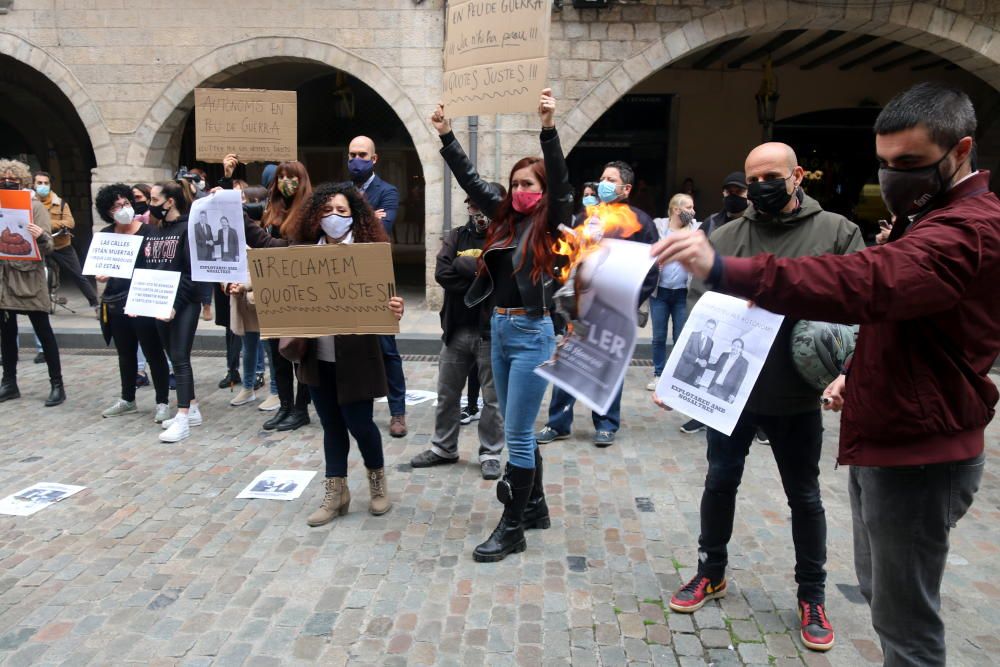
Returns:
<point x="112" y="255"/>
<point x="36" y="498"/>
<point x="152" y="293"/>
<point x="278" y="484"/>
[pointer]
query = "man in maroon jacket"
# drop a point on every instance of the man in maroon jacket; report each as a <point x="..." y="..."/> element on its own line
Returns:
<point x="917" y="397"/>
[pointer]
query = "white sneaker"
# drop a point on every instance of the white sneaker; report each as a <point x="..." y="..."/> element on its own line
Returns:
<point x="245" y="396"/>
<point x="193" y="417"/>
<point x="272" y="402"/>
<point x="162" y="413"/>
<point x="652" y="385"/>
<point x="119" y="408"/>
<point x="178" y="429"/>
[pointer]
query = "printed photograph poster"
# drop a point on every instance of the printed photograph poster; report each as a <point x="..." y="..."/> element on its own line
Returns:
<point x="591" y="362"/>
<point x="717" y="359"/>
<point x="416" y="397"/>
<point x="217" y="239"/>
<point x="256" y="125"/>
<point x="112" y="255"/>
<point x="309" y="291"/>
<point x="278" y="484"/>
<point x="36" y="497"/>
<point x="496" y="56"/>
<point x="152" y="293"/>
<point x="16" y="242"/>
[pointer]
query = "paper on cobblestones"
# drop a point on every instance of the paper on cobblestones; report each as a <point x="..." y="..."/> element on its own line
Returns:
<point x="36" y="498"/>
<point x="152" y="293"/>
<point x="217" y="239"/>
<point x="590" y="363"/>
<point x="495" y="55"/>
<point x="717" y="359"/>
<point x="415" y="397"/>
<point x="278" y="484"/>
<point x="112" y="255"/>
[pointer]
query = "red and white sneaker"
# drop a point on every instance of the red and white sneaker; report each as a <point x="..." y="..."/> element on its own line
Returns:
<point x="693" y="595"/>
<point x="816" y="631"/>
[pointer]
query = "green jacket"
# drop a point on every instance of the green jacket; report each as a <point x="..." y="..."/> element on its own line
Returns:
<point x="809" y="231"/>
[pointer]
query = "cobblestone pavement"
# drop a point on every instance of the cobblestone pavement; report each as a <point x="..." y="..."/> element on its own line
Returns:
<point x="158" y="563"/>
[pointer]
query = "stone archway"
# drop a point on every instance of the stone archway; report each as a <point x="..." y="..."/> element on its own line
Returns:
<point x="972" y="46"/>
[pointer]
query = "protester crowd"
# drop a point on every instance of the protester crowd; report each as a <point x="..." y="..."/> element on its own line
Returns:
<point x="916" y="402"/>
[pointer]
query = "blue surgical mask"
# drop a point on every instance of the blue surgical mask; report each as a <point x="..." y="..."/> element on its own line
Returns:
<point x="607" y="191"/>
<point x="590" y="200"/>
<point x="43" y="190"/>
<point x="336" y="226"/>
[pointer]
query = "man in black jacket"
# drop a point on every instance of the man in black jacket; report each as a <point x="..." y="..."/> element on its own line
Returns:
<point x="466" y="336"/>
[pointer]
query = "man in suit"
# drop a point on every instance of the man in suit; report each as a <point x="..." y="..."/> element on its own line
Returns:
<point x="228" y="241"/>
<point x="730" y="370"/>
<point x="203" y="241"/>
<point x="384" y="199"/>
<point x="694" y="360"/>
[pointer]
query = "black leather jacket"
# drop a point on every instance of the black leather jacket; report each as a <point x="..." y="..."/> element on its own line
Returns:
<point x="536" y="296"/>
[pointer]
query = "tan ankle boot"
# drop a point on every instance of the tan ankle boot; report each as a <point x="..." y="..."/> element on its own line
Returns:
<point x="336" y="500"/>
<point x="380" y="494"/>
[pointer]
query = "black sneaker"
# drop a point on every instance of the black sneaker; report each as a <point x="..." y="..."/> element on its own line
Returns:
<point x="40" y="358"/>
<point x="761" y="437"/>
<point x="604" y="438"/>
<point x="428" y="459"/>
<point x="258" y="381"/>
<point x="469" y="417"/>
<point x="231" y="379"/>
<point x="693" y="426"/>
<point x="490" y="469"/>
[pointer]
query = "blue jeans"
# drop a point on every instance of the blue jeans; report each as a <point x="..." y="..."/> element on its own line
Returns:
<point x="663" y="305"/>
<point x="561" y="413"/>
<point x="393" y="375"/>
<point x="253" y="358"/>
<point x="520" y="343"/>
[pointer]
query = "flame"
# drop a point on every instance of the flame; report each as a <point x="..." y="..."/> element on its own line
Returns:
<point x="603" y="220"/>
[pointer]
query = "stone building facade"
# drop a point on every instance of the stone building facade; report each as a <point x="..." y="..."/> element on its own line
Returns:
<point x="128" y="69"/>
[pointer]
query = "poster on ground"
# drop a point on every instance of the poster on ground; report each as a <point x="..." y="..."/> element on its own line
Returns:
<point x="36" y="498"/>
<point x="416" y="397"/>
<point x="256" y="125"/>
<point x="496" y="56"/>
<point x="152" y="293"/>
<point x="590" y="363"/>
<point x="319" y="290"/>
<point x="112" y="255"/>
<point x="718" y="356"/>
<point x="16" y="242"/>
<point x="217" y="239"/>
<point x="278" y="484"/>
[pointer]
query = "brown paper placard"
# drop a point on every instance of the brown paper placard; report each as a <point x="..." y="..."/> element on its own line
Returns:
<point x="256" y="125"/>
<point x="319" y="290"/>
<point x="495" y="56"/>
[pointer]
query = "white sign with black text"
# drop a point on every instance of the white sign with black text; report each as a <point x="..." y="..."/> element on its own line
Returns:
<point x="152" y="293"/>
<point x="112" y="255"/>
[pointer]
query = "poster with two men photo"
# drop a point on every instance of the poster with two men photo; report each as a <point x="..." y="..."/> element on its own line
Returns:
<point x="216" y="239"/>
<point x="719" y="355"/>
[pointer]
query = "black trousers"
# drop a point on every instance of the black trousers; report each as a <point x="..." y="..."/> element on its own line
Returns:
<point x="339" y="420"/>
<point x="284" y="377"/>
<point x="43" y="329"/>
<point x="69" y="267"/>
<point x="177" y="337"/>
<point x="129" y="334"/>
<point x="234" y="345"/>
<point x="796" y="443"/>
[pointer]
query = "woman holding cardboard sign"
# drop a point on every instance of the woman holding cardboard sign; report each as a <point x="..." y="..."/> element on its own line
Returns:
<point x="517" y="274"/>
<point x="344" y="373"/>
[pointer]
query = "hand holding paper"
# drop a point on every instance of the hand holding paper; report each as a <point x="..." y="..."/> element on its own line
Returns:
<point x="690" y="248"/>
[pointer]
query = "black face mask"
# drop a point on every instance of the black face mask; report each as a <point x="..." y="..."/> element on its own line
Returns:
<point x="10" y="185"/>
<point x="911" y="191"/>
<point x="769" y="197"/>
<point x="735" y="204"/>
<point x="140" y="207"/>
<point x="157" y="211"/>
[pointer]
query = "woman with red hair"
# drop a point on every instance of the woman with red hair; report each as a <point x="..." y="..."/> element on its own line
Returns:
<point x="517" y="277"/>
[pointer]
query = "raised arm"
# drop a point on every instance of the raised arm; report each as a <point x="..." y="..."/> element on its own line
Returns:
<point x="479" y="191"/>
<point x="560" y="192"/>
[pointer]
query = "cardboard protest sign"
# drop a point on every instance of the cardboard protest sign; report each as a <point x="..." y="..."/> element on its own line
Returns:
<point x="256" y="125"/>
<point x="318" y="290"/>
<point x="591" y="362"/>
<point x="718" y="356"/>
<point x="16" y="242"/>
<point x="217" y="239"/>
<point x="496" y="55"/>
<point x="112" y="255"/>
<point x="152" y="293"/>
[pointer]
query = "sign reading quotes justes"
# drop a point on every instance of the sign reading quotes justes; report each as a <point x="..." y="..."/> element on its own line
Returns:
<point x="256" y="125"/>
<point x="496" y="55"/>
<point x="319" y="290"/>
<point x="152" y="293"/>
<point x="112" y="255"/>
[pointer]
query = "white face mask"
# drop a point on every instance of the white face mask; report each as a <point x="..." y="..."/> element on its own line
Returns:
<point x="124" y="215"/>
<point x="336" y="226"/>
